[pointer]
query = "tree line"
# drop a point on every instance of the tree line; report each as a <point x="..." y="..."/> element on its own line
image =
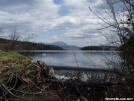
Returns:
<point x="10" y="45"/>
<point x="100" y="48"/>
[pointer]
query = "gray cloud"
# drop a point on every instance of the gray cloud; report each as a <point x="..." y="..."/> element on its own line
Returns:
<point x="15" y="6"/>
<point x="42" y="16"/>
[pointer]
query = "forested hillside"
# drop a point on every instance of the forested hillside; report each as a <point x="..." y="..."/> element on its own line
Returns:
<point x="100" y="48"/>
<point x="7" y="45"/>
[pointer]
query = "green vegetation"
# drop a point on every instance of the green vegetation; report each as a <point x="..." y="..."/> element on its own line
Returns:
<point x="9" y="58"/>
<point x="8" y="45"/>
<point x="12" y="55"/>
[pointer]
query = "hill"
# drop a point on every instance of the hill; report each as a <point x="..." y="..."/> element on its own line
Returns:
<point x="64" y="45"/>
<point x="6" y="44"/>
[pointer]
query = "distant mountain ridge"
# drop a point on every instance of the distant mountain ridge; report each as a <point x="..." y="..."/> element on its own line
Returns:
<point x="59" y="43"/>
<point x="64" y="45"/>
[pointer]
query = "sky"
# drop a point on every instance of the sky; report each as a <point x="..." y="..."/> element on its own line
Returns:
<point x="49" y="21"/>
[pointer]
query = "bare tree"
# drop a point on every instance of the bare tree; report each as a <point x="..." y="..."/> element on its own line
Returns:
<point x="122" y="22"/>
<point x="1" y="29"/>
<point x="14" y="37"/>
<point x="14" y="40"/>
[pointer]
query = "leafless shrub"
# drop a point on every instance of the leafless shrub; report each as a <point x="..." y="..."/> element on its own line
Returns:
<point x="121" y="25"/>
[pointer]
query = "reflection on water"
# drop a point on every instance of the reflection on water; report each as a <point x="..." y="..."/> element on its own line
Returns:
<point x="76" y="58"/>
<point x="79" y="59"/>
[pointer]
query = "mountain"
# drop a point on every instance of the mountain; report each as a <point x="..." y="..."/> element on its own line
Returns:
<point x="64" y="45"/>
<point x="59" y="43"/>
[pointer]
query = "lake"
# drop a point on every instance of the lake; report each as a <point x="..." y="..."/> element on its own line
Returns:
<point x="91" y="65"/>
<point x="76" y="58"/>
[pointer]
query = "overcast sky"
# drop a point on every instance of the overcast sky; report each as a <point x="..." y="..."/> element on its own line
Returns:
<point x="53" y="20"/>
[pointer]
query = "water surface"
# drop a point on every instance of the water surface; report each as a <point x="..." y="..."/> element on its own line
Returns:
<point x="76" y="58"/>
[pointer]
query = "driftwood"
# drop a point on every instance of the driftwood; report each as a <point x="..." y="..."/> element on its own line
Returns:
<point x="73" y="85"/>
<point x="22" y="83"/>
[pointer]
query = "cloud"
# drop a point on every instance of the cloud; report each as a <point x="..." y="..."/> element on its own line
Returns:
<point x="66" y="20"/>
<point x="33" y="18"/>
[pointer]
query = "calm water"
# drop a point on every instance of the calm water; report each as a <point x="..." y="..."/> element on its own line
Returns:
<point x="77" y="58"/>
<point x="81" y="59"/>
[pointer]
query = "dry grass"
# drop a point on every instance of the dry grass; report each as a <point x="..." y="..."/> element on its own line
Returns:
<point x="13" y="58"/>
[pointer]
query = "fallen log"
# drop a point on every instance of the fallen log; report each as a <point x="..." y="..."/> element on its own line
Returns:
<point x="75" y="86"/>
<point x="81" y="68"/>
